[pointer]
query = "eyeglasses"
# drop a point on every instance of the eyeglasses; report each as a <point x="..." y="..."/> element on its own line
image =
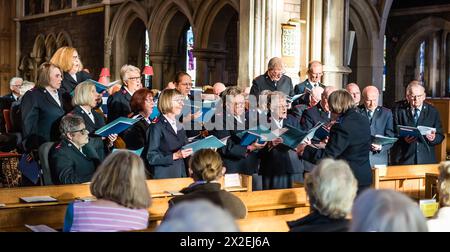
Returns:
<point x="135" y="78"/>
<point x="414" y="97"/>
<point x="179" y="100"/>
<point x="149" y="100"/>
<point x="82" y="131"/>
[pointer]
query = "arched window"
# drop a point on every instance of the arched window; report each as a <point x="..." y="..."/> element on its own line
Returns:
<point x="191" y="61"/>
<point x="421" y="62"/>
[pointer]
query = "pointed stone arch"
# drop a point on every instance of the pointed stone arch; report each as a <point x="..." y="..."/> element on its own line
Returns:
<point x="407" y="47"/>
<point x="50" y="46"/>
<point x="126" y="15"/>
<point x="168" y="40"/>
<point x="63" y="39"/>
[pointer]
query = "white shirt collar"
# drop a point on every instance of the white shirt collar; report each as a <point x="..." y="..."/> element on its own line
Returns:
<point x="172" y="123"/>
<point x="279" y="123"/>
<point x="126" y="88"/>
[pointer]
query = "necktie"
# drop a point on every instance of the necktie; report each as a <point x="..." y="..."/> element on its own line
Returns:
<point x="416" y="115"/>
<point x="370" y="114"/>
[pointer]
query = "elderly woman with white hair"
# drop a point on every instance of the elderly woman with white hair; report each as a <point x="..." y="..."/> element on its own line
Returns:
<point x="119" y="102"/>
<point x="331" y="189"/>
<point x="441" y="222"/>
<point x="386" y="211"/>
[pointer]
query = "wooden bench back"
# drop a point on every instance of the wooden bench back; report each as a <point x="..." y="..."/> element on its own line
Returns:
<point x="157" y="188"/>
<point x="259" y="203"/>
<point x="409" y="179"/>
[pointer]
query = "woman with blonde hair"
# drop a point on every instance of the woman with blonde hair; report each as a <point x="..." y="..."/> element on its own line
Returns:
<point x="122" y="196"/>
<point x="85" y="100"/>
<point x="166" y="137"/>
<point x="331" y="189"/>
<point x="441" y="222"/>
<point x="350" y="139"/>
<point x="206" y="168"/>
<point x="68" y="59"/>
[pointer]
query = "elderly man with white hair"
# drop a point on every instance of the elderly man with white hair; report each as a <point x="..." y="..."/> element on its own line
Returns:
<point x="5" y="101"/>
<point x="412" y="150"/>
<point x="218" y="88"/>
<point x="381" y="123"/>
<point x="274" y="80"/>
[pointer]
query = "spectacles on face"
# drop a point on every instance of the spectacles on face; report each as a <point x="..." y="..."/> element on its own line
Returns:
<point x="149" y="100"/>
<point x="316" y="74"/>
<point x="416" y="97"/>
<point x="135" y="78"/>
<point x="76" y="57"/>
<point x="82" y="131"/>
<point x="239" y="104"/>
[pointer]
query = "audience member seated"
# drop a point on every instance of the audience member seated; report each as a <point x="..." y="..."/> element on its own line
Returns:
<point x="122" y="198"/>
<point x="42" y="108"/>
<point x="69" y="61"/>
<point x="197" y="216"/>
<point x="386" y="211"/>
<point x="142" y="107"/>
<point x="119" y="102"/>
<point x="205" y="167"/>
<point x="441" y="222"/>
<point x="166" y="137"/>
<point x="331" y="189"/>
<point x="73" y="160"/>
<point x="5" y="101"/>
<point x="85" y="100"/>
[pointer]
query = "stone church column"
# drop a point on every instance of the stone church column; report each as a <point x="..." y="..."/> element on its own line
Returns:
<point x="335" y="20"/>
<point x="260" y="37"/>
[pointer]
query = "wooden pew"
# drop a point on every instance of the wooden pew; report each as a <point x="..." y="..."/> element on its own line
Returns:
<point x="275" y="223"/>
<point x="409" y="179"/>
<point x="65" y="193"/>
<point x="260" y="203"/>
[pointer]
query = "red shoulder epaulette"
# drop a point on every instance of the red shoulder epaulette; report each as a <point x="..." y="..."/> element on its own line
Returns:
<point x="58" y="146"/>
<point x="155" y="120"/>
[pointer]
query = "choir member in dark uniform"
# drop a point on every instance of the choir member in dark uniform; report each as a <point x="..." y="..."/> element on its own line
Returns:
<point x="349" y="139"/>
<point x="315" y="73"/>
<point x="142" y="106"/>
<point x="236" y="158"/>
<point x="166" y="137"/>
<point x="273" y="80"/>
<point x="42" y="108"/>
<point x="119" y="102"/>
<point x="183" y="83"/>
<point x="205" y="167"/>
<point x="73" y="160"/>
<point x="381" y="123"/>
<point x="319" y="113"/>
<point x="411" y="150"/>
<point x="280" y="166"/>
<point x="69" y="61"/>
<point x="7" y="100"/>
<point x="85" y="100"/>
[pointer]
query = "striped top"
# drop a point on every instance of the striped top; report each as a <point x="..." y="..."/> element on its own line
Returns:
<point x="92" y="217"/>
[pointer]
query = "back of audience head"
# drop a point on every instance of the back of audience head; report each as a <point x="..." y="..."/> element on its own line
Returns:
<point x="386" y="211"/>
<point x="331" y="188"/>
<point x="444" y="184"/>
<point x="121" y="179"/>
<point x="206" y="165"/>
<point x="197" y="216"/>
<point x="219" y="88"/>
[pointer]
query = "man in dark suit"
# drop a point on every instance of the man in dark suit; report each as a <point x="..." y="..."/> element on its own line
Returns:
<point x="6" y="101"/>
<point x="315" y="73"/>
<point x="381" y="123"/>
<point x="411" y="150"/>
<point x="119" y="103"/>
<point x="318" y="113"/>
<point x="273" y="80"/>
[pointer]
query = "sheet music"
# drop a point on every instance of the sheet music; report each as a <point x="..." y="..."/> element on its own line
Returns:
<point x="41" y="228"/>
<point x="232" y="180"/>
